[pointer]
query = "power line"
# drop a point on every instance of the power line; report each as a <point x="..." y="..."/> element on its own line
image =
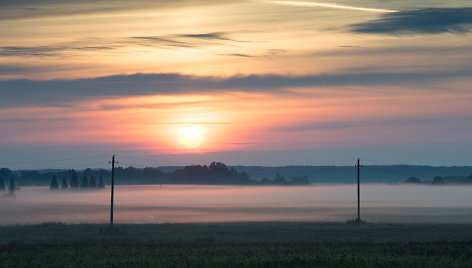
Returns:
<point x="134" y="164"/>
<point x="80" y="166"/>
<point x="50" y="161"/>
<point x="151" y="160"/>
<point x="139" y="158"/>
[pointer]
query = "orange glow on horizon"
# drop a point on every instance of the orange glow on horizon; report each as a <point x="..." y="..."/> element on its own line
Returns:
<point x="231" y="121"/>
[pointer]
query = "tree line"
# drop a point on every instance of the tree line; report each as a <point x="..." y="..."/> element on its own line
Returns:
<point x="281" y="180"/>
<point x="439" y="180"/>
<point x="216" y="173"/>
<point x="74" y="183"/>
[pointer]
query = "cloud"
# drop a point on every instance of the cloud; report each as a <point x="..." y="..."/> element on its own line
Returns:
<point x="39" y="51"/>
<point x="31" y="120"/>
<point x="403" y="50"/>
<point x="267" y="53"/>
<point x="156" y="41"/>
<point x="27" y="9"/>
<point x="57" y="92"/>
<point x="217" y="36"/>
<point x="420" y="21"/>
<point x="12" y="69"/>
<point x="373" y="122"/>
<point x="169" y="105"/>
<point x="329" y="5"/>
<point x="179" y="40"/>
<point x="238" y="55"/>
<point x="97" y="44"/>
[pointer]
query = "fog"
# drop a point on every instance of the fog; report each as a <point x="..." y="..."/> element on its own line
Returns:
<point x="192" y="203"/>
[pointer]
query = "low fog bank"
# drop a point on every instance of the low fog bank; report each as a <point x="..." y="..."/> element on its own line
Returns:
<point x="220" y="174"/>
<point x="193" y="203"/>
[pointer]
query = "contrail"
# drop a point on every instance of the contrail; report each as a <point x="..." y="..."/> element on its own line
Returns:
<point x="330" y="5"/>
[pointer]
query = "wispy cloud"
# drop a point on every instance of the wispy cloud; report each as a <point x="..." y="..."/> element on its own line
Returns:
<point x="169" y="105"/>
<point x="371" y="122"/>
<point x="420" y="21"/>
<point x="27" y="9"/>
<point x="330" y="5"/>
<point x="180" y="40"/>
<point x="54" y="50"/>
<point x="239" y="55"/>
<point x="266" y="53"/>
<point x="30" y="120"/>
<point x="194" y="40"/>
<point x="434" y="49"/>
<point x="157" y="41"/>
<point x="211" y="36"/>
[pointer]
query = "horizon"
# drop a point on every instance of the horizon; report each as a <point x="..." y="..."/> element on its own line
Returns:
<point x="282" y="166"/>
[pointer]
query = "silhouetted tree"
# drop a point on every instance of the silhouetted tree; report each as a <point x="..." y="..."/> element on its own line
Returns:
<point x="195" y="174"/>
<point x="92" y="183"/>
<point x="101" y="183"/>
<point x="468" y="179"/>
<point x="438" y="180"/>
<point x="413" y="180"/>
<point x="2" y="185"/>
<point x="299" y="180"/>
<point x="64" y="185"/>
<point x="54" y="185"/>
<point x="265" y="180"/>
<point x="5" y="173"/>
<point x="84" y="182"/>
<point x="243" y="177"/>
<point x="74" y="181"/>
<point x="218" y="169"/>
<point x="12" y="186"/>
<point x="279" y="179"/>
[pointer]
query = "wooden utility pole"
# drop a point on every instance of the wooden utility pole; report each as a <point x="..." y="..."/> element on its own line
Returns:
<point x="112" y="189"/>
<point x="358" y="191"/>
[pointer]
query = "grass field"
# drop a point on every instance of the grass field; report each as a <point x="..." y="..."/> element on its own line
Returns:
<point x="267" y="244"/>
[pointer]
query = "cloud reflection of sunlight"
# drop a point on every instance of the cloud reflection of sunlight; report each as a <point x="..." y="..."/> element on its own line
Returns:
<point x="330" y="5"/>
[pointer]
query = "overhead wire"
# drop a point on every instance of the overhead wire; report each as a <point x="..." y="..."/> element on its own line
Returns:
<point x="50" y="161"/>
<point x="145" y="162"/>
<point x="161" y="162"/>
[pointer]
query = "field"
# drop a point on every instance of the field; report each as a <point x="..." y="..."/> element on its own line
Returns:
<point x="264" y="244"/>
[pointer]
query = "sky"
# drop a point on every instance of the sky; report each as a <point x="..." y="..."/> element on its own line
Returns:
<point x="249" y="82"/>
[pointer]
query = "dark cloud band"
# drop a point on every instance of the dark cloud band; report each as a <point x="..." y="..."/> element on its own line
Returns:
<point x="420" y="21"/>
<point x="56" y="92"/>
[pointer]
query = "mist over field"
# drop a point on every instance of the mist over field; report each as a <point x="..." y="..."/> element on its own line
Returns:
<point x="192" y="203"/>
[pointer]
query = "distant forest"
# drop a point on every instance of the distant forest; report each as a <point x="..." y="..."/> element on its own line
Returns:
<point x="369" y="173"/>
<point x="220" y="174"/>
<point x="214" y="174"/>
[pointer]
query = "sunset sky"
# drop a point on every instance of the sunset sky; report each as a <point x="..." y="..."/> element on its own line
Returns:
<point x="250" y="82"/>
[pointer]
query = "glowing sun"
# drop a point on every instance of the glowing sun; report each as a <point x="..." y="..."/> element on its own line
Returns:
<point x="190" y="136"/>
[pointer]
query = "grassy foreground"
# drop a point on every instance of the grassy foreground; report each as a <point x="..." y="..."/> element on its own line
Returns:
<point x="270" y="244"/>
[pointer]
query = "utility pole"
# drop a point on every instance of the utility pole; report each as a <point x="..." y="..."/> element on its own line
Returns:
<point x="112" y="162"/>
<point x="358" y="191"/>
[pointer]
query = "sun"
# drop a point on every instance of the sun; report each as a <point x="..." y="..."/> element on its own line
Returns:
<point x="190" y="136"/>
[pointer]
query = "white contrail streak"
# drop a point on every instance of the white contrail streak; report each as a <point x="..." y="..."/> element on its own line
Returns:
<point x="330" y="5"/>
